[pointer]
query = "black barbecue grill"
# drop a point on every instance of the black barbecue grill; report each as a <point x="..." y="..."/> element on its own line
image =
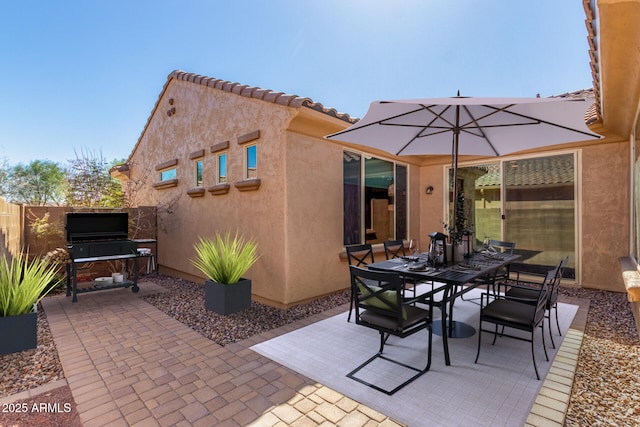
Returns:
<point x="98" y="237"/>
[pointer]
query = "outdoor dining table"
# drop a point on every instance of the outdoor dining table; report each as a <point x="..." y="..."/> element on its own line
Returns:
<point x="448" y="278"/>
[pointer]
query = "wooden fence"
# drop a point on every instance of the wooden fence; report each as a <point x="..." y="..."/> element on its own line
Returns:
<point x="10" y="229"/>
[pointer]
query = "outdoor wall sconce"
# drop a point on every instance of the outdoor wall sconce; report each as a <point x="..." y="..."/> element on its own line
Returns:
<point x="429" y="189"/>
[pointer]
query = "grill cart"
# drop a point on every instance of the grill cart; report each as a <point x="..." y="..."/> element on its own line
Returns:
<point x="100" y="237"/>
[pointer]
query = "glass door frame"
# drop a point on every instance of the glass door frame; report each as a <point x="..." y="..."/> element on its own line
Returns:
<point x="502" y="160"/>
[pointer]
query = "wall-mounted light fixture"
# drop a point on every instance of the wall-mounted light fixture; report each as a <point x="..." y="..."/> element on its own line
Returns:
<point x="429" y="189"/>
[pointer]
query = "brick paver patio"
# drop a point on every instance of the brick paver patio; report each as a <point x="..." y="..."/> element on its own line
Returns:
<point x="129" y="364"/>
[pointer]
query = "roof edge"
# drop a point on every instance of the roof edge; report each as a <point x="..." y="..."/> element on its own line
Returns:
<point x="267" y="95"/>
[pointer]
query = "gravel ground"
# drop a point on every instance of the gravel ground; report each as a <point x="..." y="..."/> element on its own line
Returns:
<point x="28" y="369"/>
<point x="185" y="303"/>
<point x="606" y="390"/>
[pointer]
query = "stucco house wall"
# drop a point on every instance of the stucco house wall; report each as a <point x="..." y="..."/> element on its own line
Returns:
<point x="605" y="214"/>
<point x="295" y="214"/>
<point x="204" y="117"/>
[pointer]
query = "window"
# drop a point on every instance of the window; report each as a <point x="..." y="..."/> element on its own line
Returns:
<point x="198" y="172"/>
<point x="375" y="199"/>
<point x="221" y="161"/>
<point x="251" y="161"/>
<point x="168" y="174"/>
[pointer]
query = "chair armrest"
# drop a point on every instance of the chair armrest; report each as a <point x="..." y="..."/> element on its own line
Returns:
<point x="534" y="274"/>
<point x="423" y="298"/>
<point x="511" y="285"/>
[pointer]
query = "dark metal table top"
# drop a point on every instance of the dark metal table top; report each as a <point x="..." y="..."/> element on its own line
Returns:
<point x="477" y="265"/>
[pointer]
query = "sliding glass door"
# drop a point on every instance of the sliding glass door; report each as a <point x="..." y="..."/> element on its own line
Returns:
<point x="530" y="201"/>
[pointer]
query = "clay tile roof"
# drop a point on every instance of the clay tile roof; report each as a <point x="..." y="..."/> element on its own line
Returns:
<point x="591" y="23"/>
<point x="554" y="170"/>
<point x="591" y="115"/>
<point x="267" y="95"/>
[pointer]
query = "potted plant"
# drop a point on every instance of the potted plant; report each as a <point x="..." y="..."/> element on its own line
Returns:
<point x="224" y="260"/>
<point x="23" y="284"/>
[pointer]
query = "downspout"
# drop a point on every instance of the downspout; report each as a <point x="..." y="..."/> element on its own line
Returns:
<point x="633" y="183"/>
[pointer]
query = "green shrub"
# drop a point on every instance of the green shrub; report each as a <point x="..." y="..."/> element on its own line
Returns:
<point x="223" y="259"/>
<point x="23" y="283"/>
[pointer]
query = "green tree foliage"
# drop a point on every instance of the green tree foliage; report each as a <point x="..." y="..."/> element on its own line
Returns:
<point x="89" y="183"/>
<point x="39" y="183"/>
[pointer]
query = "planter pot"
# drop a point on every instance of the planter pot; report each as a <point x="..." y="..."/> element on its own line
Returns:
<point x="227" y="299"/>
<point x="449" y="251"/>
<point x="19" y="333"/>
<point x="459" y="252"/>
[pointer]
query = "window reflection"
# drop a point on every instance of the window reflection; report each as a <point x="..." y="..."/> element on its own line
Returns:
<point x="168" y="174"/>
<point x="199" y="173"/>
<point x="375" y="199"/>
<point x="222" y="169"/>
<point x="252" y="162"/>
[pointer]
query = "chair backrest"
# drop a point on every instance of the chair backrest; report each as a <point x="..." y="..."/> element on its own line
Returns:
<point x="394" y="249"/>
<point x="360" y="255"/>
<point x="555" y="286"/>
<point x="501" y="246"/>
<point x="543" y="295"/>
<point x="378" y="292"/>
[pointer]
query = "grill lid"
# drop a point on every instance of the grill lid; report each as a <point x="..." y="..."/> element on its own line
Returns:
<point x="95" y="226"/>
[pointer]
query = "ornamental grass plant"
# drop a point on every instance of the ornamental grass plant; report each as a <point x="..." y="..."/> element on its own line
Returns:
<point x="224" y="259"/>
<point x="24" y="283"/>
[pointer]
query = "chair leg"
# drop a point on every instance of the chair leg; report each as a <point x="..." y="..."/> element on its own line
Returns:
<point x="429" y="353"/>
<point x="533" y="352"/>
<point x="383" y="340"/>
<point x="544" y="345"/>
<point x="479" y="342"/>
<point x="418" y="372"/>
<point x="553" y="343"/>
<point x="351" y="304"/>
<point x="495" y="334"/>
<point x="557" y="321"/>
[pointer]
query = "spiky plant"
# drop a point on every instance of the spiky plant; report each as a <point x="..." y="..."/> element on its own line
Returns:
<point x="224" y="259"/>
<point x="24" y="283"/>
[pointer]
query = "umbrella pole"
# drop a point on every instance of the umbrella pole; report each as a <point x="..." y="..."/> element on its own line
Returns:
<point x="455" y="182"/>
<point x="456" y="135"/>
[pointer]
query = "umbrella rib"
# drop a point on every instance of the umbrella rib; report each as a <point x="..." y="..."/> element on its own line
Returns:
<point x="424" y="127"/>
<point x="536" y="121"/>
<point x="484" y="135"/>
<point x="378" y="122"/>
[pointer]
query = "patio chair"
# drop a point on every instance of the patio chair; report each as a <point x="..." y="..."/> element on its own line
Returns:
<point x="499" y="276"/>
<point x="528" y="293"/>
<point x="381" y="307"/>
<point x="502" y="247"/>
<point x="516" y="314"/>
<point x="359" y="256"/>
<point x="395" y="249"/>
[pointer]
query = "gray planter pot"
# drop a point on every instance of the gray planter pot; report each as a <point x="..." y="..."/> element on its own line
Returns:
<point x="19" y="333"/>
<point x="227" y="299"/>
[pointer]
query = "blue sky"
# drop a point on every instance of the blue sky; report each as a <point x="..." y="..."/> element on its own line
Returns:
<point x="84" y="75"/>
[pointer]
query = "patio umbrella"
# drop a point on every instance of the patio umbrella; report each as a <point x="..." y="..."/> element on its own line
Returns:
<point x="467" y="125"/>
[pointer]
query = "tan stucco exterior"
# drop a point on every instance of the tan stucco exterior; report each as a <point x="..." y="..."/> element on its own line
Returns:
<point x="296" y="212"/>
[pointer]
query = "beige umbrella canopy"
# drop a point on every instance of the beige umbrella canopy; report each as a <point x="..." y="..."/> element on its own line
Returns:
<point x="467" y="125"/>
